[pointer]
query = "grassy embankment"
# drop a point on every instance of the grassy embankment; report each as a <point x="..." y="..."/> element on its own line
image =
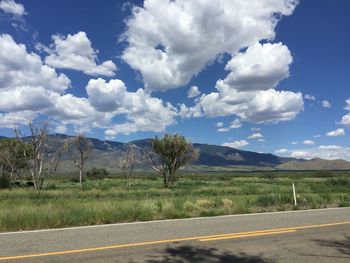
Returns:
<point x="63" y="204"/>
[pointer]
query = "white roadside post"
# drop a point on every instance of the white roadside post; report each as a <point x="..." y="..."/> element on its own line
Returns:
<point x="295" y="197"/>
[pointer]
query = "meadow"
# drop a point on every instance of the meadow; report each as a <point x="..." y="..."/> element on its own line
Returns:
<point x="110" y="200"/>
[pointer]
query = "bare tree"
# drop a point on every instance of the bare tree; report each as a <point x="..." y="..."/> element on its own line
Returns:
<point x="12" y="157"/>
<point x="169" y="155"/>
<point x="126" y="164"/>
<point x="41" y="158"/>
<point x="82" y="150"/>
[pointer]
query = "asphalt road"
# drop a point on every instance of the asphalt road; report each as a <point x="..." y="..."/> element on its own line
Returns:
<point x="297" y="236"/>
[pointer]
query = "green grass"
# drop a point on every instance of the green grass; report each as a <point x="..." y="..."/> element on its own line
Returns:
<point x="63" y="204"/>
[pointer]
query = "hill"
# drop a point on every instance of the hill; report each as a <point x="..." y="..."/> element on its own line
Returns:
<point x="106" y="154"/>
<point x="215" y="157"/>
<point x="315" y="164"/>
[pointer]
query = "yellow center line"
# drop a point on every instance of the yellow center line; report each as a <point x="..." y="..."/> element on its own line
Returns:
<point x="248" y="235"/>
<point x="167" y="241"/>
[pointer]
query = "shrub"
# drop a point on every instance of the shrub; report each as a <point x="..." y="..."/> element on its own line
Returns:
<point x="190" y="206"/>
<point x="227" y="203"/>
<point x="51" y="187"/>
<point x="339" y="181"/>
<point x="97" y="173"/>
<point x="204" y="203"/>
<point x="5" y="181"/>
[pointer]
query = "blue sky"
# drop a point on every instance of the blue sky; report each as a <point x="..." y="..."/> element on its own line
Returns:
<point x="267" y="76"/>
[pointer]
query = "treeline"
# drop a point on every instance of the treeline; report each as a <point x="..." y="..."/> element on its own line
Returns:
<point x="38" y="157"/>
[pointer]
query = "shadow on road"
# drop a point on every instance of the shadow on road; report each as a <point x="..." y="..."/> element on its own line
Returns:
<point x="342" y="246"/>
<point x="201" y="254"/>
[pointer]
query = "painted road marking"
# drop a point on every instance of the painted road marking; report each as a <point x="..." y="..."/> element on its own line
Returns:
<point x="247" y="235"/>
<point x="199" y="238"/>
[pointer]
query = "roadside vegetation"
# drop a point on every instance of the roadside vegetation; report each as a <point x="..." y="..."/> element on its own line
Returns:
<point x="110" y="200"/>
<point x="33" y="196"/>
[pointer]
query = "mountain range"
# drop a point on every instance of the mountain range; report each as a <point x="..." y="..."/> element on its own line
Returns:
<point x="106" y="154"/>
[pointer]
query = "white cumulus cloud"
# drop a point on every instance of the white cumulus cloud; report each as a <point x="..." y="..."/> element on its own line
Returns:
<point x="337" y="132"/>
<point x="75" y="52"/>
<point x="20" y="68"/>
<point x="193" y="92"/>
<point x="330" y="147"/>
<point x="346" y="118"/>
<point x="326" y="104"/>
<point x="255" y="136"/>
<point x="200" y="31"/>
<point x="282" y="151"/>
<point x="308" y="142"/>
<point x="251" y="95"/>
<point x="236" y="144"/>
<point x="29" y="88"/>
<point x="309" y="97"/>
<point x="236" y="124"/>
<point x="143" y="112"/>
<point x="261" y="67"/>
<point x="330" y="152"/>
<point x="11" y="7"/>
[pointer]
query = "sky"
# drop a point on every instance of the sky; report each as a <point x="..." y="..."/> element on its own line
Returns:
<point x="261" y="75"/>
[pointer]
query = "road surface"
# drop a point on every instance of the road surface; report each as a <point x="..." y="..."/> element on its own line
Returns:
<point x="296" y="236"/>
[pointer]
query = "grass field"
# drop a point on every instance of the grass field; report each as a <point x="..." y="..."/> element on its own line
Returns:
<point x="63" y="204"/>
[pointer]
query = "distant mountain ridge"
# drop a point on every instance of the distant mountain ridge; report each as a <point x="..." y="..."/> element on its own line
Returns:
<point x="315" y="164"/>
<point x="106" y="154"/>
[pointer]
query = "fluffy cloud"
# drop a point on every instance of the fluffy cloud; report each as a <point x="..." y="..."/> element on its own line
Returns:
<point x="11" y="7"/>
<point x="26" y="98"/>
<point x="236" y="124"/>
<point x="12" y="119"/>
<point x="346" y="118"/>
<point x="330" y="152"/>
<point x="253" y="106"/>
<point x="326" y="104"/>
<point x="329" y="147"/>
<point x="107" y="96"/>
<point x="143" y="112"/>
<point x="308" y="142"/>
<point x="236" y="144"/>
<point x="248" y="91"/>
<point x="193" y="92"/>
<point x="20" y="68"/>
<point x="309" y="97"/>
<point x="200" y="31"/>
<point x="75" y="52"/>
<point x="29" y="88"/>
<point x="261" y="67"/>
<point x="282" y="151"/>
<point x="219" y="124"/>
<point x="337" y="132"/>
<point x="223" y="129"/>
<point x="255" y="136"/>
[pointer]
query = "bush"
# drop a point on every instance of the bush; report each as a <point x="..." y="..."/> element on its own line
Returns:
<point x="5" y="181"/>
<point x="227" y="203"/>
<point x="97" y="173"/>
<point x="274" y="199"/>
<point x="339" y="181"/>
<point x="51" y="187"/>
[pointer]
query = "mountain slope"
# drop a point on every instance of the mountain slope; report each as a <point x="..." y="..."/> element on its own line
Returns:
<point x="315" y="164"/>
<point x="222" y="155"/>
<point x="106" y="154"/>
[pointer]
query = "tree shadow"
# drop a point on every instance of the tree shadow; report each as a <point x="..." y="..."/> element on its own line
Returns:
<point x="342" y="246"/>
<point x="201" y="254"/>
